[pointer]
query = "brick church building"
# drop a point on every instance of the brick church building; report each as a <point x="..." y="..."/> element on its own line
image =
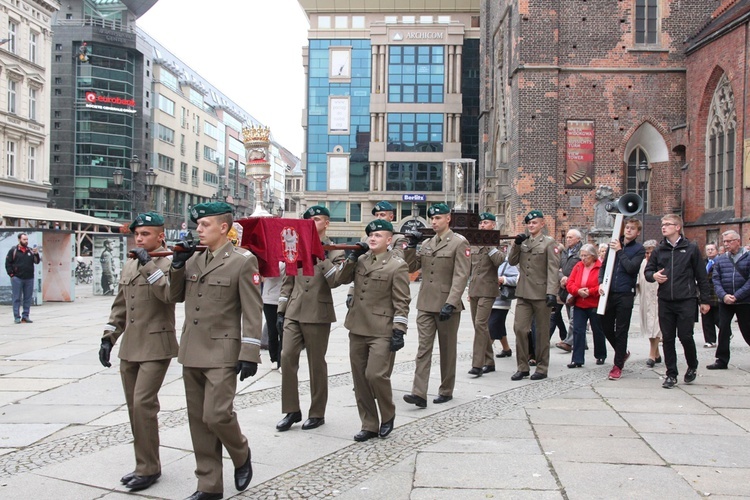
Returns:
<point x="584" y="101"/>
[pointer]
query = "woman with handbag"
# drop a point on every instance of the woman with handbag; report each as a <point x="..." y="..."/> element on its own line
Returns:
<point x="507" y="277"/>
<point x="583" y="286"/>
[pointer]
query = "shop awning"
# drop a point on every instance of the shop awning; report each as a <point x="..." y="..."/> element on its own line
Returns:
<point x="52" y="215"/>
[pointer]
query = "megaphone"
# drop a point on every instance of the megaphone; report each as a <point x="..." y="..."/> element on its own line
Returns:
<point x="627" y="204"/>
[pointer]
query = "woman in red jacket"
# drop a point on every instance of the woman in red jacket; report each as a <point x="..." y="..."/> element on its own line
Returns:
<point x="583" y="286"/>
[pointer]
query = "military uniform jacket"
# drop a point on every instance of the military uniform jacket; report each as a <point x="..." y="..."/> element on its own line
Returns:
<point x="223" y="308"/>
<point x="483" y="279"/>
<point x="381" y="294"/>
<point x="308" y="299"/>
<point x="142" y="313"/>
<point x="445" y="271"/>
<point x="538" y="262"/>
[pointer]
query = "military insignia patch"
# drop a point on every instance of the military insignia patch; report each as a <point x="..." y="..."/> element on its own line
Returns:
<point x="256" y="279"/>
<point x="557" y="250"/>
<point x="468" y="252"/>
<point x="289" y="241"/>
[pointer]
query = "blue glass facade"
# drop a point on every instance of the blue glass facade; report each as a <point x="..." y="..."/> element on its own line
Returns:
<point x="416" y="73"/>
<point x="319" y="141"/>
<point x="418" y="132"/>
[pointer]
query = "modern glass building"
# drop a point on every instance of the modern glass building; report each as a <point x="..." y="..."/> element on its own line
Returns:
<point x="391" y="94"/>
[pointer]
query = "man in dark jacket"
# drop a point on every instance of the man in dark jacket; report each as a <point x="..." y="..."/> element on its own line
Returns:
<point x="19" y="264"/>
<point x="731" y="280"/>
<point x="677" y="266"/>
<point x="616" y="318"/>
<point x="710" y="320"/>
<point x="568" y="259"/>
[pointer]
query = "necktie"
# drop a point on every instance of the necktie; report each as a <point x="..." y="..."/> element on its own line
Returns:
<point x="209" y="257"/>
<point x="437" y="240"/>
<point x="709" y="265"/>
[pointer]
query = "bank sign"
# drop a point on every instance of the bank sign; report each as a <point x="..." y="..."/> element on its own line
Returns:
<point x="107" y="103"/>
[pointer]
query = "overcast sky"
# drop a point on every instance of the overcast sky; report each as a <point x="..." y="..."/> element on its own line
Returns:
<point x="251" y="50"/>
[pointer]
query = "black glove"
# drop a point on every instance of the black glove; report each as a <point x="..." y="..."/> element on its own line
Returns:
<point x="182" y="255"/>
<point x="280" y="323"/>
<point x="349" y="301"/>
<point x="445" y="312"/>
<point x="246" y="369"/>
<point x="397" y="341"/>
<point x="142" y="255"/>
<point x="104" y="351"/>
<point x="551" y="300"/>
<point x="362" y="247"/>
<point x="413" y="238"/>
<point x="521" y="238"/>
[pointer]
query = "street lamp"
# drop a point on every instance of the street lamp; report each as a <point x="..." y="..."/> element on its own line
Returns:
<point x="642" y="176"/>
<point x="225" y="191"/>
<point x="118" y="177"/>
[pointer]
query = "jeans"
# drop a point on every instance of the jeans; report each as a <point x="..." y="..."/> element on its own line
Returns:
<point x="616" y="323"/>
<point x="580" y="318"/>
<point x="23" y="288"/>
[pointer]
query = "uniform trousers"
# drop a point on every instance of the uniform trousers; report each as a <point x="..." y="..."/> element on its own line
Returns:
<point x="372" y="364"/>
<point x="615" y="323"/>
<point x="481" y="308"/>
<point x="447" y="334"/>
<point x="526" y="311"/>
<point x="141" y="383"/>
<point x="676" y="318"/>
<point x="726" y="313"/>
<point x="213" y="422"/>
<point x="313" y="337"/>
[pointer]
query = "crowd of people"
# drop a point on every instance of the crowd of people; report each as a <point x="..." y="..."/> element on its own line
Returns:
<point x="225" y="301"/>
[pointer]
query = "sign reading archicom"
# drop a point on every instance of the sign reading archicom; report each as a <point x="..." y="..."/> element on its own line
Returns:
<point x="107" y="103"/>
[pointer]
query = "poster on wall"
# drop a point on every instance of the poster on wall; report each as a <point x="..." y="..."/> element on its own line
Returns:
<point x="338" y="115"/>
<point x="109" y="252"/>
<point x="58" y="282"/>
<point x="9" y="240"/>
<point x="338" y="173"/>
<point x="579" y="154"/>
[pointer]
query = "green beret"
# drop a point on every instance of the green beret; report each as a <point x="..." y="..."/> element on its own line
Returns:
<point x="316" y="210"/>
<point x="438" y="209"/>
<point x="534" y="214"/>
<point x="147" y="219"/>
<point x="383" y="206"/>
<point x="211" y="208"/>
<point x="487" y="216"/>
<point x="378" y="225"/>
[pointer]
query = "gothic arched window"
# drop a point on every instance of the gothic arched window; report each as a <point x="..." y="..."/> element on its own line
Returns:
<point x="636" y="160"/>
<point x="720" y="148"/>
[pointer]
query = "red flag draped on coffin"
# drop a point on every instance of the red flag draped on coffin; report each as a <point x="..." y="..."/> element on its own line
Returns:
<point x="273" y="240"/>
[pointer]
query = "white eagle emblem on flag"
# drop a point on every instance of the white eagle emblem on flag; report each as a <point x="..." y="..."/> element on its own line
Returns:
<point x="289" y="240"/>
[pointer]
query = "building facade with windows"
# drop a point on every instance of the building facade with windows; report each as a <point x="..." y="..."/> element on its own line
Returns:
<point x="569" y="119"/>
<point x="25" y="48"/>
<point x="119" y="94"/>
<point x="392" y="92"/>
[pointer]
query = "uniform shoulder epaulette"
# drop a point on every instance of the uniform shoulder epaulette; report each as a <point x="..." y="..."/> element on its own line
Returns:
<point x="398" y="259"/>
<point x="461" y="236"/>
<point x="243" y="251"/>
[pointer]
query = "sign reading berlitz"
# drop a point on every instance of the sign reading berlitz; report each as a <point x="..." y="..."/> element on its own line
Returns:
<point x="579" y="154"/>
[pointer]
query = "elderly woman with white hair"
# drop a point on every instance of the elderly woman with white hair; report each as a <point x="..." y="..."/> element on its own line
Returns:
<point x="649" y="308"/>
<point x="583" y="285"/>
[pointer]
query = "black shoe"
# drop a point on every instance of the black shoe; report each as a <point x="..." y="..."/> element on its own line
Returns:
<point x="290" y="419"/>
<point x="600" y="361"/>
<point x="386" y="427"/>
<point x="538" y="376"/>
<point x="142" y="482"/>
<point x="488" y="368"/>
<point x="364" y="436"/>
<point x="244" y="474"/>
<point x="650" y="363"/>
<point x="415" y="400"/>
<point x="690" y="375"/>
<point x="477" y="372"/>
<point x="575" y="365"/>
<point x="519" y="375"/>
<point x="658" y="359"/>
<point x="313" y="423"/>
<point x="127" y="477"/>
<point x="26" y="320"/>
<point x="718" y="365"/>
<point x="669" y="382"/>
<point x="441" y="399"/>
<point x="505" y="354"/>
<point x="201" y="495"/>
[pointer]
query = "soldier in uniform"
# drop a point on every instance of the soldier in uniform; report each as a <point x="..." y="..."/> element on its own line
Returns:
<point x="377" y="324"/>
<point x="144" y="317"/>
<point x="482" y="293"/>
<point x="445" y="260"/>
<point x="305" y="315"/>
<point x="386" y="211"/>
<point x="537" y="257"/>
<point x="220" y="339"/>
